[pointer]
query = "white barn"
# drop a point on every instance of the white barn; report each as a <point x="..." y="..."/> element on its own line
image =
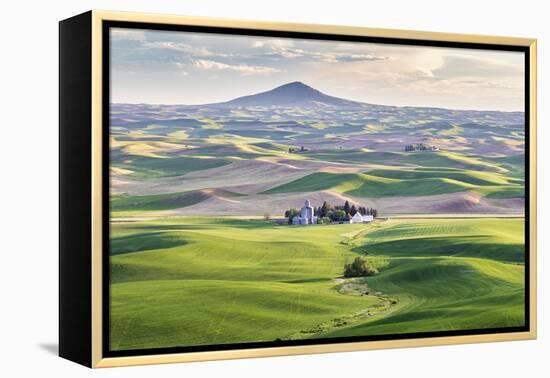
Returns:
<point x="358" y="218"/>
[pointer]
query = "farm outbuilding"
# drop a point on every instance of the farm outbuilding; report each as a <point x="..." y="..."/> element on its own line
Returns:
<point x="358" y="218"/>
<point x="306" y="215"/>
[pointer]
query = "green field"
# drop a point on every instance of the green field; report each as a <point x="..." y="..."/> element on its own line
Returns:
<point x="197" y="281"/>
<point x="431" y="159"/>
<point x="152" y="167"/>
<point x="388" y="183"/>
<point x="163" y="201"/>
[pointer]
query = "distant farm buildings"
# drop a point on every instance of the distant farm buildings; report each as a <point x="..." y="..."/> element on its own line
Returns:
<point x="329" y="214"/>
<point x="420" y="147"/>
<point x="293" y="150"/>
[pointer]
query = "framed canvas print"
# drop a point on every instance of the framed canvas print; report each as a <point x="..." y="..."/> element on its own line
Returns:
<point x="234" y="189"/>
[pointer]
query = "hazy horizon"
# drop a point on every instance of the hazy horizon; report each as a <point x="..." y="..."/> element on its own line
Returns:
<point x="351" y="99"/>
<point x="182" y="68"/>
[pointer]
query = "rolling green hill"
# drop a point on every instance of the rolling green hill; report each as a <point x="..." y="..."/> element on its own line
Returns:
<point x="154" y="167"/>
<point x="195" y="281"/>
<point x="441" y="159"/>
<point x="366" y="185"/>
<point x="467" y="176"/>
<point x="418" y="182"/>
<point x="166" y="201"/>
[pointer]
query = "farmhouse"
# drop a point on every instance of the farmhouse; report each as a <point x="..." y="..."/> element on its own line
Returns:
<point x="358" y="218"/>
<point x="306" y="215"/>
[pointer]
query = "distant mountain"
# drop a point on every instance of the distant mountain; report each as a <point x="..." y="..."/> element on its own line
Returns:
<point x="295" y="94"/>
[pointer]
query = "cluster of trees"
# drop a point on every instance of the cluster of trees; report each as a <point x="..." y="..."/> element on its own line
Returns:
<point x="349" y="210"/>
<point x="292" y="150"/>
<point x="419" y="147"/>
<point x="328" y="213"/>
<point x="359" y="268"/>
<point x="291" y="213"/>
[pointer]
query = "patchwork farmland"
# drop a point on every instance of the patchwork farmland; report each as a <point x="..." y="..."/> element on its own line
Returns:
<point x="201" y="252"/>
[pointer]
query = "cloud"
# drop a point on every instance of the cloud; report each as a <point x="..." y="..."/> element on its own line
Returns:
<point x="181" y="47"/>
<point x="312" y="51"/>
<point x="321" y="56"/>
<point x="342" y="57"/>
<point x="272" y="43"/>
<point x="462" y="65"/>
<point x="128" y="34"/>
<point x="181" y="68"/>
<point x="244" y="69"/>
<point x="489" y="84"/>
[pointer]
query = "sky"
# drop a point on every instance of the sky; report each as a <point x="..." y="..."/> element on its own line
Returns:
<point x="173" y="67"/>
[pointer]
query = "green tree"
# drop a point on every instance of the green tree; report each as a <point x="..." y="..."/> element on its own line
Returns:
<point x="359" y="268"/>
<point x="337" y="215"/>
<point x="346" y="207"/>
<point x="291" y="214"/>
<point x="325" y="209"/>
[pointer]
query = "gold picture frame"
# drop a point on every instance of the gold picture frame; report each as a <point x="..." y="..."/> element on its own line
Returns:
<point x="92" y="328"/>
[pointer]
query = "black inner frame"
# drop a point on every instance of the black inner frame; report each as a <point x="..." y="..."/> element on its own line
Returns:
<point x="106" y="25"/>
